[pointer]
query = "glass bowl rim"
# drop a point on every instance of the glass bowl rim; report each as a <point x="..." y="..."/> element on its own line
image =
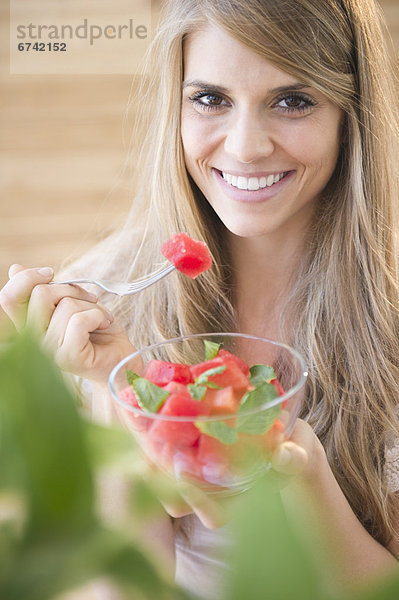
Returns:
<point x="222" y="417"/>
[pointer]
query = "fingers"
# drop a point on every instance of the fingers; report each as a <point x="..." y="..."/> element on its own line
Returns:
<point x="28" y="300"/>
<point x="14" y="269"/>
<point x="296" y="456"/>
<point x="210" y="512"/>
<point x="82" y="337"/>
<point x="192" y="499"/>
<point x="14" y="296"/>
<point x="289" y="459"/>
<point x="176" y="509"/>
<point x="72" y="322"/>
<point x="45" y="298"/>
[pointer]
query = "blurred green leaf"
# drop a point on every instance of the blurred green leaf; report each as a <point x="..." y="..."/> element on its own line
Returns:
<point x="131" y="376"/>
<point x="211" y="349"/>
<point x="269" y="559"/>
<point x="42" y="440"/>
<point x="51" y="540"/>
<point x="218" y="430"/>
<point x="149" y="396"/>
<point x="107" y="445"/>
<point x="261" y="421"/>
<point x="385" y="589"/>
<point x="261" y="374"/>
<point x="203" y="378"/>
<point x="197" y="392"/>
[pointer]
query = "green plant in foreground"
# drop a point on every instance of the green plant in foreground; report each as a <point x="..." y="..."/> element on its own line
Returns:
<point x="51" y="539"/>
<point x="272" y="561"/>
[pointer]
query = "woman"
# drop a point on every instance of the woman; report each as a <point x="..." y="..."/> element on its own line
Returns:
<point x="269" y="130"/>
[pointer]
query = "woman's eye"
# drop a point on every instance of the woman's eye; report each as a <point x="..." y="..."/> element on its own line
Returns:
<point x="206" y="101"/>
<point x="294" y="103"/>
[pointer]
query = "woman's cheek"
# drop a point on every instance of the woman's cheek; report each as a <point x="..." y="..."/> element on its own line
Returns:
<point x="201" y="137"/>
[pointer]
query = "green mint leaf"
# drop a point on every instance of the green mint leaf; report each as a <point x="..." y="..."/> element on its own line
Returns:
<point x="260" y="374"/>
<point x="211" y="349"/>
<point x="197" y="392"/>
<point x="203" y="378"/>
<point x="258" y="423"/>
<point x="131" y="376"/>
<point x="218" y="430"/>
<point x="149" y="396"/>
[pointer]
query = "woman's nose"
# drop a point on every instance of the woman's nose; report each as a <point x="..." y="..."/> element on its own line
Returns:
<point x="248" y="138"/>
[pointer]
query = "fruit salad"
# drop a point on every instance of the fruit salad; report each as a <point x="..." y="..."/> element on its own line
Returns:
<point x="214" y="422"/>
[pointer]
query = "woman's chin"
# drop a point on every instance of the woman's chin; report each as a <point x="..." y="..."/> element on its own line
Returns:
<point x="250" y="230"/>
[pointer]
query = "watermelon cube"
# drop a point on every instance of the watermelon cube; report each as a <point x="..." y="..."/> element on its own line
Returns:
<point x="231" y="376"/>
<point x="178" y="433"/>
<point x="175" y="386"/>
<point x="280" y="391"/>
<point x="189" y="256"/>
<point x="278" y="386"/>
<point x="224" y="401"/>
<point x="161" y="372"/>
<point x="240" y="363"/>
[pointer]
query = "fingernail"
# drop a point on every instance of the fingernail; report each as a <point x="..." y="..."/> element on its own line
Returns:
<point x="46" y="272"/>
<point x="282" y="457"/>
<point x="109" y="316"/>
<point x="92" y="296"/>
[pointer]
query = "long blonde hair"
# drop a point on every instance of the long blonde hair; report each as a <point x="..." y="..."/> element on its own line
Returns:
<point x="345" y="302"/>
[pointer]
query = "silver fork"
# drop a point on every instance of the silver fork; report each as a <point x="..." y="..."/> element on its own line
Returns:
<point x="125" y="289"/>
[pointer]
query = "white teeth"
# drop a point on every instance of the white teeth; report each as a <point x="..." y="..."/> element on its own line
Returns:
<point x="242" y="183"/>
<point x="252" y="183"/>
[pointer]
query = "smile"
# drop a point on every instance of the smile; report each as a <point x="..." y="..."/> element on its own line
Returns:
<point x="252" y="183"/>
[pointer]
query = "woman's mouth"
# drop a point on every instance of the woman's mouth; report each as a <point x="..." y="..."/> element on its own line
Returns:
<point x="252" y="183"/>
<point x="254" y="188"/>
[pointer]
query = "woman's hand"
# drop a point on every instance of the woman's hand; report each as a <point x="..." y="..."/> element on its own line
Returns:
<point x="82" y="335"/>
<point x="297" y="456"/>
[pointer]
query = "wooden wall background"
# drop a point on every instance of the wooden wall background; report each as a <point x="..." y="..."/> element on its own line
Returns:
<point x="61" y="150"/>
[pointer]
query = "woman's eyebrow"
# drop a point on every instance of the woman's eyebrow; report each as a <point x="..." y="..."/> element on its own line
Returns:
<point x="291" y="87"/>
<point x="203" y="84"/>
<point x="223" y="90"/>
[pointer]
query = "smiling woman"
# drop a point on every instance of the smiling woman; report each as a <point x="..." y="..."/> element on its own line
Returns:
<point x="268" y="130"/>
<point x="261" y="147"/>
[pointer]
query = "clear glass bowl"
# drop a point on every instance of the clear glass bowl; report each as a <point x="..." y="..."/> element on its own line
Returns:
<point x="184" y="446"/>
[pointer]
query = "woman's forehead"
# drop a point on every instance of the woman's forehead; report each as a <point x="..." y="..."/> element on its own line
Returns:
<point x="214" y="56"/>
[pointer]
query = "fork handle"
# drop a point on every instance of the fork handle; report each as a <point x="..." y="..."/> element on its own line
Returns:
<point x="72" y="281"/>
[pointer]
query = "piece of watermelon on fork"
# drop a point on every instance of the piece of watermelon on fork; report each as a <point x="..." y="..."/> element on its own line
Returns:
<point x="189" y="256"/>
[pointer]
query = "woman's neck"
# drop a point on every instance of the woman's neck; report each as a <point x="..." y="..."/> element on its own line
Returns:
<point x="263" y="272"/>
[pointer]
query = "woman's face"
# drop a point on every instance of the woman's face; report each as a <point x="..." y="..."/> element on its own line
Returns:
<point x="259" y="143"/>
